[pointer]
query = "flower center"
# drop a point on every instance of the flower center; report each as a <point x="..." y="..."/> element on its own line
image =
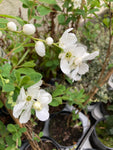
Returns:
<point x="28" y="98"/>
<point x="68" y="54"/>
<point x="37" y="106"/>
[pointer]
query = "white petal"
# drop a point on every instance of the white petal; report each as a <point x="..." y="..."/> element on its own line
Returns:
<point x="79" y="51"/>
<point x="40" y="48"/>
<point x="45" y="97"/>
<point x="83" y="68"/>
<point x="91" y="56"/>
<point x="34" y="87"/>
<point x="26" y="114"/>
<point x="18" y="108"/>
<point x="22" y="96"/>
<point x="73" y="74"/>
<point x="110" y="81"/>
<point x="43" y="114"/>
<point x="64" y="65"/>
<point x="67" y="39"/>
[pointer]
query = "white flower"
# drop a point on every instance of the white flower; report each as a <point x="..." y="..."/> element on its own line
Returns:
<point x="67" y="39"/>
<point x="40" y="48"/>
<point x="0" y="34"/>
<point x="35" y="98"/>
<point x="73" y="61"/>
<point x="29" y="29"/>
<point x="110" y="81"/>
<point x="49" y="40"/>
<point x="77" y="3"/>
<point x="11" y="26"/>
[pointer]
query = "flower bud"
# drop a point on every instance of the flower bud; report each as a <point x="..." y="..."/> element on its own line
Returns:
<point x="49" y="40"/>
<point x="40" y="48"/>
<point x="11" y="26"/>
<point x="11" y="93"/>
<point x="29" y="29"/>
<point x="6" y="81"/>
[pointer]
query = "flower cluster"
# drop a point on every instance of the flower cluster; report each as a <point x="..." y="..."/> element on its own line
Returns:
<point x="34" y="98"/>
<point x="74" y="56"/>
<point x="73" y="59"/>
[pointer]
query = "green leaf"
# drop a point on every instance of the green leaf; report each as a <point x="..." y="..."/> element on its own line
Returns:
<point x="56" y="7"/>
<point x="29" y="64"/>
<point x="59" y="90"/>
<point x="56" y="101"/>
<point x="106" y="21"/>
<point x="2" y="146"/>
<point x="2" y="141"/>
<point x="37" y="17"/>
<point x="110" y="66"/>
<point x="34" y="76"/>
<point x="91" y="11"/>
<point x="2" y="129"/>
<point x="61" y="18"/>
<point x="24" y="80"/>
<point x="25" y="54"/>
<point x="20" y="21"/>
<point x="18" y="48"/>
<point x="6" y="70"/>
<point x="13" y="147"/>
<point x="11" y="128"/>
<point x="80" y="12"/>
<point x="9" y="140"/>
<point x="22" y="130"/>
<point x="16" y="136"/>
<point x="26" y="71"/>
<point x="48" y="1"/>
<point x="1" y="104"/>
<point x="41" y="134"/>
<point x="3" y="23"/>
<point x="43" y="10"/>
<point x="8" y="87"/>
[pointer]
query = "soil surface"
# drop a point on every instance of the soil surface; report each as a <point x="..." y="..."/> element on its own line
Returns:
<point x="64" y="130"/>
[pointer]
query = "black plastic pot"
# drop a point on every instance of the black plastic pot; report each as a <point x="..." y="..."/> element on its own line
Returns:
<point x="85" y="124"/>
<point x="94" y="140"/>
<point x="26" y="145"/>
